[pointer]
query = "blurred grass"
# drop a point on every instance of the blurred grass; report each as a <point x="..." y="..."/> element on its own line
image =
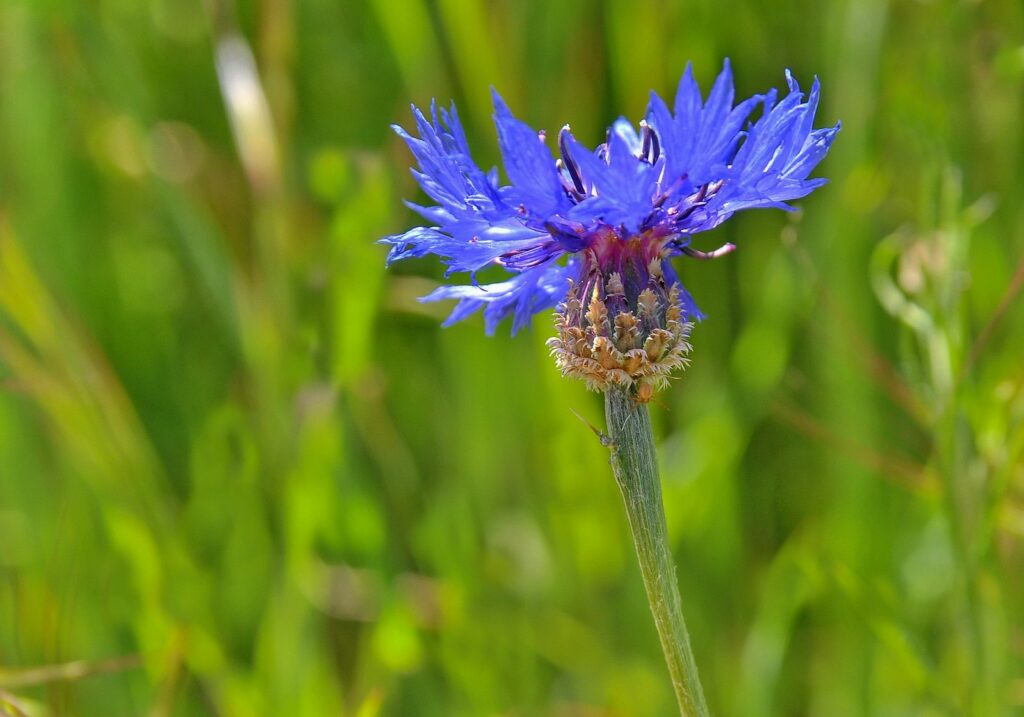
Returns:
<point x="234" y="447"/>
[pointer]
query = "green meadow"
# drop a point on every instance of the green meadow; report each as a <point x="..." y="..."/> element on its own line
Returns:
<point x="244" y="473"/>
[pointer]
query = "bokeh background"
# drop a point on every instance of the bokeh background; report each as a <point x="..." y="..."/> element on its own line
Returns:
<point x="243" y="472"/>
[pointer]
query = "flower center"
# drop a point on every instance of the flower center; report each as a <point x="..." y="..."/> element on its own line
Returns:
<point x="623" y="324"/>
<point x="634" y="259"/>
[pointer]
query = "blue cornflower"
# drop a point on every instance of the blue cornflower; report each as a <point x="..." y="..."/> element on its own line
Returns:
<point x="613" y="214"/>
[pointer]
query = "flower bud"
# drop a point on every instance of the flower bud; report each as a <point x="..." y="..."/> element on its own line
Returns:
<point x="632" y="333"/>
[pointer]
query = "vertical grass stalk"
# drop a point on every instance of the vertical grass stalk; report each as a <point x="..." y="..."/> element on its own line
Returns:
<point x="636" y="471"/>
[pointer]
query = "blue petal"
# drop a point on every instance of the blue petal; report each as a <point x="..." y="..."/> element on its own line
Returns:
<point x="447" y="172"/>
<point x="625" y="131"/>
<point x="717" y="107"/>
<point x="624" y="185"/>
<point x="469" y="244"/>
<point x="522" y="296"/>
<point x="688" y="105"/>
<point x="528" y="163"/>
<point x="781" y="149"/>
<point x="699" y="142"/>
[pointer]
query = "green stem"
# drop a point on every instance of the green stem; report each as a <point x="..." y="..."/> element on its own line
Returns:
<point x="636" y="471"/>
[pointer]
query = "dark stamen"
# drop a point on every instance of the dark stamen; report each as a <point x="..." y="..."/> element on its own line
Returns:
<point x="660" y="199"/>
<point x="574" y="172"/>
<point x="650" y="150"/>
<point x="645" y="147"/>
<point x="685" y="214"/>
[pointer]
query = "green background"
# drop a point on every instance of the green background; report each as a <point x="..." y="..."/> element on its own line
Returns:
<point x="243" y="472"/>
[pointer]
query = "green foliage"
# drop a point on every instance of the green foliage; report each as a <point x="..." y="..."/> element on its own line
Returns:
<point x="243" y="472"/>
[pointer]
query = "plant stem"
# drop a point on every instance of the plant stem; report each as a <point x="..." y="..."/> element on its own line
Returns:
<point x="636" y="471"/>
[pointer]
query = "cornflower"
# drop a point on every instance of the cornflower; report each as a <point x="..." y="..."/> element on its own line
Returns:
<point x="593" y="233"/>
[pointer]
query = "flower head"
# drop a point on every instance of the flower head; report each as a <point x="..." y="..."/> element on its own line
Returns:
<point x="622" y="209"/>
